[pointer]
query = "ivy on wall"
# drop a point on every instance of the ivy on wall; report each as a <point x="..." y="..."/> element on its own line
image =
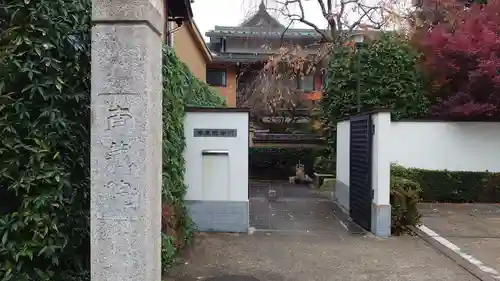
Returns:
<point x="180" y="89"/>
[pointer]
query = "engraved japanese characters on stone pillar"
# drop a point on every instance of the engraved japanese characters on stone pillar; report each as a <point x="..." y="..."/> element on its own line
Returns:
<point x="126" y="156"/>
<point x="118" y="117"/>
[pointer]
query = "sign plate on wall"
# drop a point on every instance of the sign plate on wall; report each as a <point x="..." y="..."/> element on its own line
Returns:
<point x="224" y="133"/>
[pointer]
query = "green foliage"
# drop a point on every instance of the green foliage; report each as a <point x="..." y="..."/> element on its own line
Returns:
<point x="180" y="89"/>
<point x="44" y="151"/>
<point x="405" y="196"/>
<point x="453" y="187"/>
<point x="322" y="163"/>
<point x="279" y="163"/>
<point x="388" y="79"/>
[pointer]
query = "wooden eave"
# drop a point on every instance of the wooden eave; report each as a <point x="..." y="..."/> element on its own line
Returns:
<point x="179" y="10"/>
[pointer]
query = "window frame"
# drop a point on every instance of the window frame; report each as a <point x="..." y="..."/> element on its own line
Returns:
<point x="300" y="85"/>
<point x="224" y="79"/>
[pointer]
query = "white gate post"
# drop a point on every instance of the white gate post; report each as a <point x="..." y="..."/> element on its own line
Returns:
<point x="381" y="174"/>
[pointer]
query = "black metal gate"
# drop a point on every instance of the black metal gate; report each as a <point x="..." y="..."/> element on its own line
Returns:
<point x="360" y="170"/>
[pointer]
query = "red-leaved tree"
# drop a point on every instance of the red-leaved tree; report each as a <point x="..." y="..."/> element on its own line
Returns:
<point x="462" y="60"/>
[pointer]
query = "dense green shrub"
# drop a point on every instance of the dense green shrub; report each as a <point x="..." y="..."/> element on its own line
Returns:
<point x="405" y="196"/>
<point x="453" y="187"/>
<point x="180" y="89"/>
<point x="279" y="163"/>
<point x="323" y="164"/>
<point x="388" y="79"/>
<point x="44" y="150"/>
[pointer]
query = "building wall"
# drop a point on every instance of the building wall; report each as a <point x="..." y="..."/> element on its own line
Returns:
<point x="228" y="92"/>
<point x="236" y="147"/>
<point x="341" y="195"/>
<point x="454" y="146"/>
<point x="187" y="49"/>
<point x="217" y="193"/>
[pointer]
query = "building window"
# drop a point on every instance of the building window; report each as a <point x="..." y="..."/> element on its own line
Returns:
<point x="216" y="77"/>
<point x="306" y="83"/>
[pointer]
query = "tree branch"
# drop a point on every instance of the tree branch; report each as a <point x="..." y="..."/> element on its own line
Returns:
<point x="284" y="31"/>
<point x="343" y="5"/>
<point x="301" y="16"/>
<point x="323" y="8"/>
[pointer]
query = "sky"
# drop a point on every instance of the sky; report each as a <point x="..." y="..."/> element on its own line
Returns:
<point x="208" y="13"/>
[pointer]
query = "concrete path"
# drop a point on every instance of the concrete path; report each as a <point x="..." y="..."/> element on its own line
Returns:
<point x="299" y="238"/>
<point x="298" y="209"/>
<point x="473" y="228"/>
<point x="324" y="257"/>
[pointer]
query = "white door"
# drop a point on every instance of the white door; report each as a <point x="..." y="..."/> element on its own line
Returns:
<point x="215" y="175"/>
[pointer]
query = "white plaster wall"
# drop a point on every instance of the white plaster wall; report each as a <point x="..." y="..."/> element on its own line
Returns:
<point x="342" y="170"/>
<point x="454" y="146"/>
<point x="237" y="148"/>
<point x="381" y="162"/>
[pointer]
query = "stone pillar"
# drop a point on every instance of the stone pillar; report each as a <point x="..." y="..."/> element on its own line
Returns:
<point x="126" y="142"/>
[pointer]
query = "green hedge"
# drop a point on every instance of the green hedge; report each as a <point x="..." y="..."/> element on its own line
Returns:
<point x="180" y="89"/>
<point x="44" y="144"/>
<point x="453" y="187"/>
<point x="279" y="163"/>
<point x="405" y="196"/>
<point x="44" y="149"/>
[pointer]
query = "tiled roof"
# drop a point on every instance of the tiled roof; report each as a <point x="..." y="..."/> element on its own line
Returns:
<point x="240" y="57"/>
<point x="235" y="31"/>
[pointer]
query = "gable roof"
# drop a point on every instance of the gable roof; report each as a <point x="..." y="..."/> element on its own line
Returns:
<point x="262" y="19"/>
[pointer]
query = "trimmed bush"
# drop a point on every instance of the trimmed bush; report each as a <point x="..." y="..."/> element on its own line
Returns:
<point x="453" y="187"/>
<point x="389" y="78"/>
<point x="279" y="163"/>
<point x="405" y="196"/>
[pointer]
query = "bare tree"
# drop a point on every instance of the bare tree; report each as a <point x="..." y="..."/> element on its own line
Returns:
<point x="345" y="16"/>
<point x="272" y="94"/>
<point x="273" y="91"/>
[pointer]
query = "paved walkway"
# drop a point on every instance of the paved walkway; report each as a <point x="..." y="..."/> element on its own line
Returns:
<point x="299" y="238"/>
<point x="473" y="228"/>
<point x="324" y="257"/>
<point x="296" y="209"/>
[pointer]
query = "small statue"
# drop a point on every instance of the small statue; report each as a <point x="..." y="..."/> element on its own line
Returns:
<point x="271" y="194"/>
<point x="300" y="175"/>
